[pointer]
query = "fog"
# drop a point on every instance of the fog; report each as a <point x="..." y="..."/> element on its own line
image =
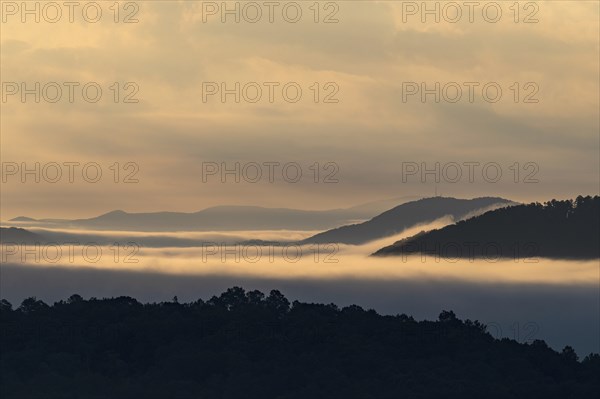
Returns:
<point x="561" y="314"/>
<point x="523" y="299"/>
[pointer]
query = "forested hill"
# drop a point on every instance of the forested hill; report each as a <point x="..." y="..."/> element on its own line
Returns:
<point x="248" y="345"/>
<point x="567" y="229"/>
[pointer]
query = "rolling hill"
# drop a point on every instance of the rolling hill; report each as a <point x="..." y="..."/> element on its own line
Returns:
<point x="567" y="229"/>
<point x="219" y="218"/>
<point x="16" y="235"/>
<point x="405" y="216"/>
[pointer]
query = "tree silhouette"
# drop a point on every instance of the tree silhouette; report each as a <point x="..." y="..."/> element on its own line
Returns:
<point x="569" y="354"/>
<point x="247" y="345"/>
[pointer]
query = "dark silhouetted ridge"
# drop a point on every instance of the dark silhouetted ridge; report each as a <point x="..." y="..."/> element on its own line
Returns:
<point x="567" y="229"/>
<point x="250" y="345"/>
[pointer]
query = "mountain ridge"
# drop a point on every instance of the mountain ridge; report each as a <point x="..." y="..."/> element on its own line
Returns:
<point x="567" y="229"/>
<point x="218" y="218"/>
<point x="403" y="216"/>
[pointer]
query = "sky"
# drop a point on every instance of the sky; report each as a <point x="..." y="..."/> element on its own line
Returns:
<point x="361" y="129"/>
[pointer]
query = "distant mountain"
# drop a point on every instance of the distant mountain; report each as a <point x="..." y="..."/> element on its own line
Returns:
<point x="219" y="218"/>
<point x="16" y="235"/>
<point x="557" y="229"/>
<point x="20" y="236"/>
<point x="407" y="215"/>
<point x="22" y="219"/>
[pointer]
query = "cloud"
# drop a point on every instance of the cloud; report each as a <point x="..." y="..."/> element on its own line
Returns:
<point x="368" y="54"/>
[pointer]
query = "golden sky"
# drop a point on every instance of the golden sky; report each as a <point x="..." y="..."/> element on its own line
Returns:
<point x="360" y="131"/>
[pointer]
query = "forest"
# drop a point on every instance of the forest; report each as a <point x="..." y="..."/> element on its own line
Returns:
<point x="246" y="344"/>
<point x="568" y="229"/>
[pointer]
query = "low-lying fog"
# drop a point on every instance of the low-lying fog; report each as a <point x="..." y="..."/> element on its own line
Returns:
<point x="524" y="299"/>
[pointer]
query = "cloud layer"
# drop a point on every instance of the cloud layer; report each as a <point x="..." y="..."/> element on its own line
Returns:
<point x="369" y="55"/>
